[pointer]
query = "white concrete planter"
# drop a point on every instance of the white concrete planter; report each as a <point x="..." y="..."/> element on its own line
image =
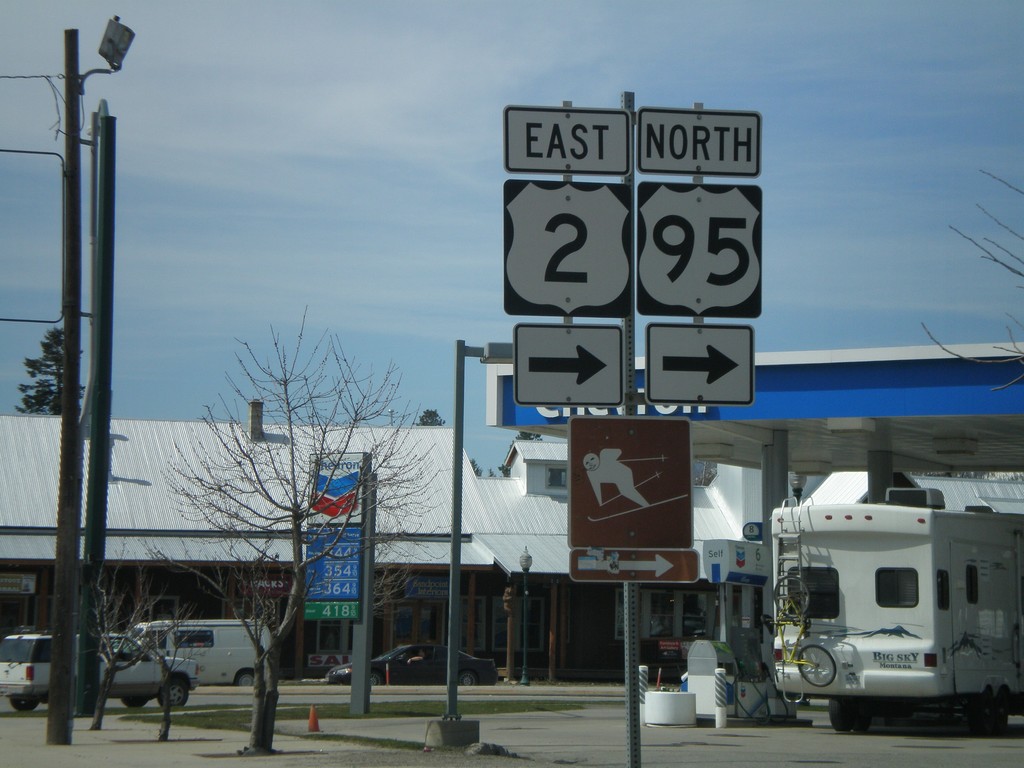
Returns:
<point x="670" y="708"/>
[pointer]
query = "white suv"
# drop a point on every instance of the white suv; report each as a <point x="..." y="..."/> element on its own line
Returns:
<point x="25" y="673"/>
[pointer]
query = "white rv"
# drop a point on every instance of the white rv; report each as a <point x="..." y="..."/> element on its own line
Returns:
<point x="221" y="647"/>
<point x="910" y="608"/>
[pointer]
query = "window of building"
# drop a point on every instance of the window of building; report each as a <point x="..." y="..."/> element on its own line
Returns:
<point x="329" y="635"/>
<point x="896" y="587"/>
<point x="660" y="619"/>
<point x="535" y="622"/>
<point x="667" y="613"/>
<point x="556" y="477"/>
<point x="479" y="624"/>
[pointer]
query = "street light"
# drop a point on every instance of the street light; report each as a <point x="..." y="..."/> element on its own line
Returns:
<point x="60" y="714"/>
<point x="117" y="39"/>
<point x="492" y="352"/>
<point x="525" y="561"/>
<point x="797" y="482"/>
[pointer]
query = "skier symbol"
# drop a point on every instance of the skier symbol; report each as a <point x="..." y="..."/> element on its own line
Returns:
<point x="608" y="468"/>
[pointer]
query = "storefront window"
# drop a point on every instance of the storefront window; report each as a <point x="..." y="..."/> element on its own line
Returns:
<point x="328" y="636"/>
<point x="661" y="614"/>
<point x="534" y="624"/>
<point x="479" y="624"/>
<point x="667" y="613"/>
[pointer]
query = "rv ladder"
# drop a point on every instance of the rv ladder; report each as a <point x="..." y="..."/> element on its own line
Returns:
<point x="789" y="557"/>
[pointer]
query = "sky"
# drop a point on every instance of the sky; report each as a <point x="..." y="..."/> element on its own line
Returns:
<point x="343" y="161"/>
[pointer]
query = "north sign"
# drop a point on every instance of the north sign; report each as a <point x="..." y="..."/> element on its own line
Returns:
<point x="568" y="364"/>
<point x="567" y="140"/>
<point x="568" y="249"/>
<point x="700" y="364"/>
<point x="699" y="250"/>
<point x="699" y="142"/>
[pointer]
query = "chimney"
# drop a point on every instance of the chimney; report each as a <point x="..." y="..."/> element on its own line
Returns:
<point x="255" y="420"/>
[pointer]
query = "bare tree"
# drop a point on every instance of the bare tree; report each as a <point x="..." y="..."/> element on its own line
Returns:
<point x="1007" y="257"/>
<point x="118" y="608"/>
<point x="114" y="614"/>
<point x="265" y="489"/>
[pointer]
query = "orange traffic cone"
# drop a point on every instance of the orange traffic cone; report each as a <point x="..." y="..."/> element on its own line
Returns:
<point x="314" y="721"/>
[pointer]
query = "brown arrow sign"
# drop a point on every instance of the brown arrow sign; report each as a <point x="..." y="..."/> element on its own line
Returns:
<point x="662" y="565"/>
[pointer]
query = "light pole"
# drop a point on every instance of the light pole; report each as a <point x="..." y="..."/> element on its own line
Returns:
<point x="525" y="561"/>
<point x="493" y="352"/>
<point x="116" y="40"/>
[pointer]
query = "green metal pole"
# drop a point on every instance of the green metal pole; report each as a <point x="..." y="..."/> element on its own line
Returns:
<point x="99" y="430"/>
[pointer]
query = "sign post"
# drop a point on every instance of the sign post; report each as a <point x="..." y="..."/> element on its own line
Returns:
<point x="569" y="253"/>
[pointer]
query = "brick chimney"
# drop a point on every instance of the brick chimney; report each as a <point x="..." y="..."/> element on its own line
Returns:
<point x="255" y="426"/>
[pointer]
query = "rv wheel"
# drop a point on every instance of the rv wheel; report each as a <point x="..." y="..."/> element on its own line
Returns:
<point x="980" y="713"/>
<point x="1000" y="712"/>
<point x="841" y="714"/>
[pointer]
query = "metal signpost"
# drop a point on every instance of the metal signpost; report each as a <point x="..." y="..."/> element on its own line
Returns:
<point x="569" y="253"/>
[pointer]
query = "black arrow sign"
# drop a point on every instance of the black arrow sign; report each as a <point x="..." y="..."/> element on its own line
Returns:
<point x="584" y="365"/>
<point x="716" y="364"/>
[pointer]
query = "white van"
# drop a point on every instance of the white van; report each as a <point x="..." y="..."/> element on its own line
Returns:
<point x="221" y="647"/>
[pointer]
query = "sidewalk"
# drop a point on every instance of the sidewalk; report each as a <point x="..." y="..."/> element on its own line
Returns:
<point x="594" y="737"/>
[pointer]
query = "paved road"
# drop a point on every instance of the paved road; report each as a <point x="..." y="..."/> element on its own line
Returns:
<point x="592" y="737"/>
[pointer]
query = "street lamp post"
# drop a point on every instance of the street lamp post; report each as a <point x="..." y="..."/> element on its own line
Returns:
<point x="492" y="352"/>
<point x="116" y="40"/>
<point x="525" y="561"/>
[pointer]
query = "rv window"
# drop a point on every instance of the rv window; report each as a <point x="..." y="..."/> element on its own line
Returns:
<point x="972" y="584"/>
<point x="942" y="589"/>
<point x="822" y="590"/>
<point x="896" y="587"/>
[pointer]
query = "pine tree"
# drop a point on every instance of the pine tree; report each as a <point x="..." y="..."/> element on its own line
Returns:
<point x="44" y="394"/>
<point x="430" y="418"/>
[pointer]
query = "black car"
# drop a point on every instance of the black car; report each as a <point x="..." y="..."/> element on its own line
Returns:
<point x="419" y="665"/>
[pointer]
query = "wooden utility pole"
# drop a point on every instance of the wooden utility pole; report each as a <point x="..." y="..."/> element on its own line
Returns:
<point x="59" y="722"/>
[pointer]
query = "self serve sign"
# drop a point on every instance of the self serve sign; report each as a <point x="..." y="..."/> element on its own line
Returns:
<point x="735" y="562"/>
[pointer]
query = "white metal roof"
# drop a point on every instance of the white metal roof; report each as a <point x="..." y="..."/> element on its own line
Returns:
<point x="499" y="519"/>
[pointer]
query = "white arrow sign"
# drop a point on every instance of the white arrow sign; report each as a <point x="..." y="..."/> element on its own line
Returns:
<point x="660" y="565"/>
<point x="562" y="364"/>
<point x="700" y="364"/>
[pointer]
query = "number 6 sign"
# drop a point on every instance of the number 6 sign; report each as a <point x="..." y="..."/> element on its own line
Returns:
<point x="699" y="250"/>
<point x="568" y="249"/>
